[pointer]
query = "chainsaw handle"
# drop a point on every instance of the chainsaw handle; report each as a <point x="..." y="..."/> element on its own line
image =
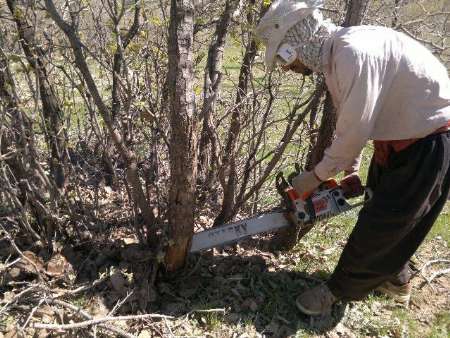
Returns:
<point x="368" y="197"/>
<point x="289" y="194"/>
<point x="284" y="189"/>
<point x="281" y="183"/>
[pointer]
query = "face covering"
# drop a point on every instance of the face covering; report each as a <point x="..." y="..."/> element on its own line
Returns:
<point x="307" y="37"/>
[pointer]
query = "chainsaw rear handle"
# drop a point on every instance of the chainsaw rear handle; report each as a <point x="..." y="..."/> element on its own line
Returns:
<point x="285" y="189"/>
<point x="289" y="195"/>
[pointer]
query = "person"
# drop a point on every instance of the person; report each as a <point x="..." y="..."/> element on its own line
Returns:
<point x="388" y="88"/>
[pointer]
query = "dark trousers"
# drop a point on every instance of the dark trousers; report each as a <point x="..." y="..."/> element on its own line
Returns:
<point x="409" y="193"/>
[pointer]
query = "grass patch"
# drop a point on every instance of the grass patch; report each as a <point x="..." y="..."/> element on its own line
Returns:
<point x="440" y="328"/>
<point x="441" y="227"/>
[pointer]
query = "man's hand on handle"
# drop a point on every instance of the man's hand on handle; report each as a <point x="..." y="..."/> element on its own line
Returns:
<point x="306" y="182"/>
<point x="351" y="185"/>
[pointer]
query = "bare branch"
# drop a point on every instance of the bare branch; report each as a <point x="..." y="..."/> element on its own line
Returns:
<point x="97" y="321"/>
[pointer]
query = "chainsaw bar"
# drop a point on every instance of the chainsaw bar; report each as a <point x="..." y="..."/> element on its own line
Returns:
<point x="327" y="201"/>
<point x="234" y="232"/>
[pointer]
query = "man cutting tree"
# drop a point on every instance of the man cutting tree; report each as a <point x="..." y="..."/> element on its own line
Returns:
<point x="388" y="88"/>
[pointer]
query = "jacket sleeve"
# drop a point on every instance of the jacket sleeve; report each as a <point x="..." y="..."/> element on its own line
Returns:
<point x="360" y="81"/>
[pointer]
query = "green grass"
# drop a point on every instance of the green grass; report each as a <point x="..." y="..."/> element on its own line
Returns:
<point x="440" y="328"/>
<point x="80" y="301"/>
<point x="212" y="321"/>
<point x="403" y="325"/>
<point x="442" y="226"/>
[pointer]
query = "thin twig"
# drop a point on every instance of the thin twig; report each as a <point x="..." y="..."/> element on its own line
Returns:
<point x="96" y="322"/>
<point x="427" y="264"/>
<point x="80" y="289"/>
<point x="430" y="43"/>
<point x="86" y="315"/>
<point x="119" y="304"/>
<point x="437" y="274"/>
<point x="18" y="296"/>
<point x="435" y="261"/>
<point x="208" y="311"/>
<point x="168" y="328"/>
<point x="31" y="314"/>
<point x="8" y="265"/>
<point x="421" y="271"/>
<point x="21" y="254"/>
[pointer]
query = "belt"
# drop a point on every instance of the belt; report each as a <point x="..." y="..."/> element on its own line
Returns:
<point x="383" y="149"/>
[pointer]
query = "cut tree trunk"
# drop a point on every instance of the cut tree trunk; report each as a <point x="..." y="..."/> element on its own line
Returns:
<point x="183" y="142"/>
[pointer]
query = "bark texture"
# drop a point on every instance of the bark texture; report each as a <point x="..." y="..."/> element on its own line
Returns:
<point x="183" y="122"/>
<point x="228" y="173"/>
<point x="356" y="9"/>
<point x="51" y="107"/>
<point x="208" y="142"/>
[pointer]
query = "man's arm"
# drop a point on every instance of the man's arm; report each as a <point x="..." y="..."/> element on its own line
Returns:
<point x="361" y="84"/>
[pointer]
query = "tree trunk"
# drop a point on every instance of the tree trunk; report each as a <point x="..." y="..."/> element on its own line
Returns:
<point x="122" y="43"/>
<point x="395" y="14"/>
<point x="326" y="132"/>
<point x="51" y="108"/>
<point x="183" y="122"/>
<point x="355" y="12"/>
<point x="287" y="238"/>
<point x="15" y="133"/>
<point x="207" y="156"/>
<point x="228" y="174"/>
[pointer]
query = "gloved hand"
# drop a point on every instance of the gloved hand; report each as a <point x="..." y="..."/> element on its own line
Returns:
<point x="306" y="182"/>
<point x="351" y="185"/>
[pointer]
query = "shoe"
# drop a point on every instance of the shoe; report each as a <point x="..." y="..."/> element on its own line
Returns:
<point x="316" y="301"/>
<point x="400" y="293"/>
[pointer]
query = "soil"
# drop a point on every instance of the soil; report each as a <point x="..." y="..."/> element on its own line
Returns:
<point x="240" y="291"/>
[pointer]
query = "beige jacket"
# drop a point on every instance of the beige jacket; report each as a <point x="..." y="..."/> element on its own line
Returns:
<point x="385" y="86"/>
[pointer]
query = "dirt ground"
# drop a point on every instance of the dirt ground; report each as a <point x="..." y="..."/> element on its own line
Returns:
<point x="241" y="291"/>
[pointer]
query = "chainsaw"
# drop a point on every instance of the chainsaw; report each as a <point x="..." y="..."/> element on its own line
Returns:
<point x="301" y="211"/>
